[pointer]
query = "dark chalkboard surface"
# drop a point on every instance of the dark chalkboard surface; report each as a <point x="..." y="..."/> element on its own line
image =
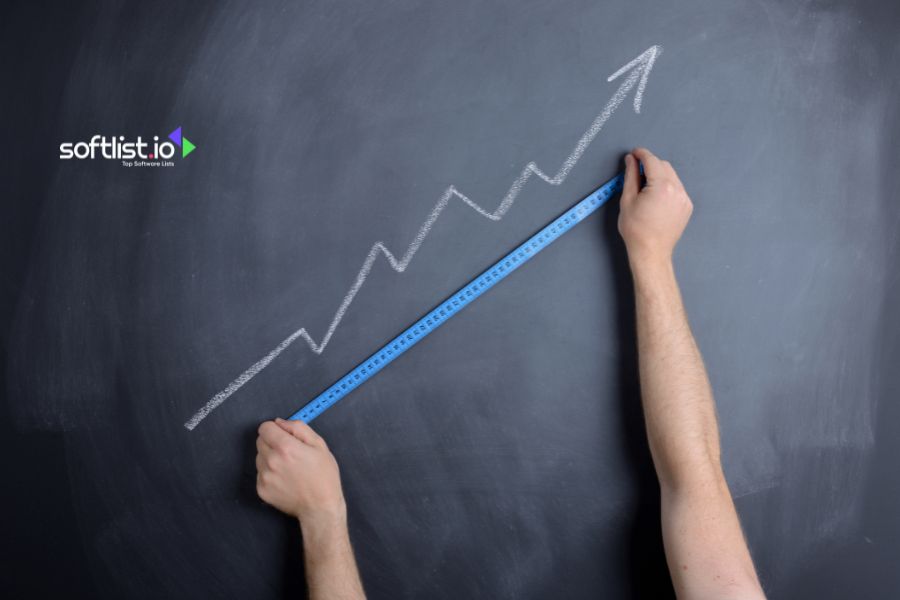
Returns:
<point x="503" y="457"/>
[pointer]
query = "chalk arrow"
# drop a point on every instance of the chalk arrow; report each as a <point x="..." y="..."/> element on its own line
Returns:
<point x="638" y="70"/>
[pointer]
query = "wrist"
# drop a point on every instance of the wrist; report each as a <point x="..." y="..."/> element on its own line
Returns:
<point x="652" y="265"/>
<point x="324" y="523"/>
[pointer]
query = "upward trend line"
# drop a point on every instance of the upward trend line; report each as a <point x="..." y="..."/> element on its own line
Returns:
<point x="638" y="71"/>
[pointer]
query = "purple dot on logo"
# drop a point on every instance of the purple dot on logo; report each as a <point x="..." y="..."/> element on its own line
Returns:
<point x="151" y="156"/>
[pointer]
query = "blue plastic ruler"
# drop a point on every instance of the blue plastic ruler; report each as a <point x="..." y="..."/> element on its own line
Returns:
<point x="458" y="301"/>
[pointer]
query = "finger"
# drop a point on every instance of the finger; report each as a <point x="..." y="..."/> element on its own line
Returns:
<point x="673" y="174"/>
<point x="259" y="487"/>
<point x="262" y="447"/>
<point x="653" y="167"/>
<point x="631" y="183"/>
<point x="273" y="435"/>
<point x="301" y="431"/>
<point x="260" y="462"/>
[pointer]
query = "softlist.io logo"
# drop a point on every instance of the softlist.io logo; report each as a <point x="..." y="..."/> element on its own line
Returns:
<point x="136" y="153"/>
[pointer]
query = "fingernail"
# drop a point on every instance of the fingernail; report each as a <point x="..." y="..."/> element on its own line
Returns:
<point x="279" y="420"/>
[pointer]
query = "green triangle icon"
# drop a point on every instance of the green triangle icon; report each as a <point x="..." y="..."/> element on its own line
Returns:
<point x="186" y="147"/>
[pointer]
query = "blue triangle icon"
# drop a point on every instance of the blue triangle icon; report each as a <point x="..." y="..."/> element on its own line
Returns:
<point x="175" y="136"/>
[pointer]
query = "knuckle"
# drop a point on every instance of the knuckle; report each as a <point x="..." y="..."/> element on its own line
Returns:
<point x="282" y="450"/>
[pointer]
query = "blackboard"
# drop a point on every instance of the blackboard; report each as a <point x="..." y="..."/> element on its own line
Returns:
<point x="503" y="457"/>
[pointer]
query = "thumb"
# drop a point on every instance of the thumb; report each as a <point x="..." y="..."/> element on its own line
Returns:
<point x="631" y="184"/>
<point x="301" y="431"/>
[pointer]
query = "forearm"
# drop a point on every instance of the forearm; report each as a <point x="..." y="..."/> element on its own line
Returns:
<point x="331" y="572"/>
<point x="707" y="555"/>
<point x="678" y="404"/>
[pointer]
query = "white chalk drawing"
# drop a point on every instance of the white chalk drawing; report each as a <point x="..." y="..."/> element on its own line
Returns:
<point x="638" y="70"/>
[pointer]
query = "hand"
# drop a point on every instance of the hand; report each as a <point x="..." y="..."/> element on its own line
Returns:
<point x="297" y="474"/>
<point x="652" y="219"/>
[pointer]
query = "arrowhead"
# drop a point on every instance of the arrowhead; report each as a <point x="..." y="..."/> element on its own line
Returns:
<point x="175" y="136"/>
<point x="187" y="148"/>
<point x="638" y="70"/>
